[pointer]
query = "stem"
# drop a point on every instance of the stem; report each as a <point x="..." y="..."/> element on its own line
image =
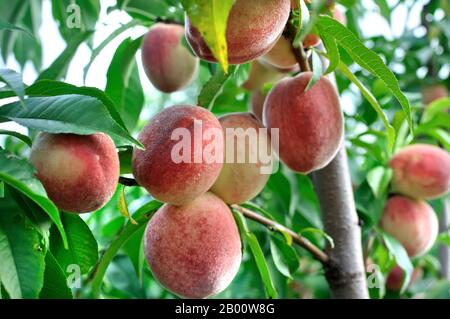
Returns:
<point x="274" y="226"/>
<point x="127" y="181"/>
<point x="299" y="52"/>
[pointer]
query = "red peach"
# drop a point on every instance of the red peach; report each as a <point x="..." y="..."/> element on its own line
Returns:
<point x="311" y="40"/>
<point x="79" y="172"/>
<point x="310" y="122"/>
<point x="241" y="178"/>
<point x="253" y="28"/>
<point x="194" y="250"/>
<point x="281" y="55"/>
<point x="421" y="171"/>
<point x="174" y="168"/>
<point x="168" y="64"/>
<point x="396" y="276"/>
<point x="412" y="222"/>
<point x="433" y="92"/>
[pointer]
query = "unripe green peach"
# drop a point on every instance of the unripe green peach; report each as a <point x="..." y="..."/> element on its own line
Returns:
<point x="412" y="222"/>
<point x="183" y="154"/>
<point x="253" y="28"/>
<point x="193" y="250"/>
<point x="79" y="172"/>
<point x="421" y="171"/>
<point x="310" y="122"/>
<point x="168" y="64"/>
<point x="242" y="177"/>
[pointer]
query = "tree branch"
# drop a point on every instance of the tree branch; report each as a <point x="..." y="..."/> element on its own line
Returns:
<point x="299" y="52"/>
<point x="274" y="226"/>
<point x="127" y="181"/>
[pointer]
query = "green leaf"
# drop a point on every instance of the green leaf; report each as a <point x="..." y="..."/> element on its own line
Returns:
<point x="19" y="174"/>
<point x="83" y="248"/>
<point x="435" y="108"/>
<point x="317" y="70"/>
<point x="14" y="81"/>
<point x="332" y="52"/>
<point x="55" y="280"/>
<point x="373" y="101"/>
<point x="401" y="256"/>
<point x="71" y="113"/>
<point x="59" y="67"/>
<point x="134" y="248"/>
<point x="365" y="57"/>
<point x="123" y="83"/>
<point x="284" y="257"/>
<point x="12" y="27"/>
<point x="123" y="207"/>
<point x="16" y="15"/>
<point x="56" y="88"/>
<point x="258" y="256"/>
<point x="2" y="189"/>
<point x="21" y="137"/>
<point x="210" y="18"/>
<point x="378" y="179"/>
<point x="213" y="88"/>
<point x="105" y="42"/>
<point x="144" y="9"/>
<point x="141" y="216"/>
<point x="21" y="253"/>
<point x="320" y="232"/>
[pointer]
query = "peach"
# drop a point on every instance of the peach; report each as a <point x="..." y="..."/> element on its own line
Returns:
<point x="433" y="92"/>
<point x="339" y="16"/>
<point x="193" y="250"/>
<point x="396" y="276"/>
<point x="311" y="40"/>
<point x="183" y="154"/>
<point x="421" y="171"/>
<point x="259" y="75"/>
<point x="242" y="178"/>
<point x="251" y="31"/>
<point x="281" y="56"/>
<point x="79" y="172"/>
<point x="257" y="100"/>
<point x="168" y="64"/>
<point x="310" y="122"/>
<point x="412" y="222"/>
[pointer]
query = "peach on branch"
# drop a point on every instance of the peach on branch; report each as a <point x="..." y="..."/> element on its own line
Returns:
<point x="253" y="28"/>
<point x="247" y="152"/>
<point x="433" y="92"/>
<point x="168" y="64"/>
<point x="412" y="222"/>
<point x="79" y="172"/>
<point x="183" y="154"/>
<point x="310" y="122"/>
<point x="194" y="250"/>
<point x="396" y="277"/>
<point x="281" y="56"/>
<point x="421" y="171"/>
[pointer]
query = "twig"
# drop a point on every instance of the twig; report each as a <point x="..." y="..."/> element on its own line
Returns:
<point x="127" y="181"/>
<point x="296" y="238"/>
<point x="299" y="52"/>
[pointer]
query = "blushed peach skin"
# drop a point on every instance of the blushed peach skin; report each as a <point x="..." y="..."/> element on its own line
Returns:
<point x="240" y="182"/>
<point x="168" y="64"/>
<point x="251" y="30"/>
<point x="155" y="169"/>
<point x="421" y="171"/>
<point x="433" y="92"/>
<point x="79" y="172"/>
<point x="412" y="222"/>
<point x="396" y="276"/>
<point x="281" y="56"/>
<point x="310" y="123"/>
<point x="194" y="250"/>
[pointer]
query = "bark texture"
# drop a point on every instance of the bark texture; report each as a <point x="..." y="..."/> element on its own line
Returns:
<point x="345" y="271"/>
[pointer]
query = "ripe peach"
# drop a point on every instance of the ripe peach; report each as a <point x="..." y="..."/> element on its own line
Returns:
<point x="412" y="222"/>
<point x="433" y="92"/>
<point x="179" y="162"/>
<point x="310" y="123"/>
<point x="311" y="40"/>
<point x="257" y="100"/>
<point x="421" y="171"/>
<point x="79" y="172"/>
<point x="194" y="250"/>
<point x="168" y="64"/>
<point x="281" y="55"/>
<point x="340" y="16"/>
<point x="251" y="31"/>
<point x="395" y="278"/>
<point x="259" y="75"/>
<point x="241" y="178"/>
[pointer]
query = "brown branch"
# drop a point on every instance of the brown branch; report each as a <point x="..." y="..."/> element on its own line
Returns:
<point x="274" y="226"/>
<point x="299" y="52"/>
